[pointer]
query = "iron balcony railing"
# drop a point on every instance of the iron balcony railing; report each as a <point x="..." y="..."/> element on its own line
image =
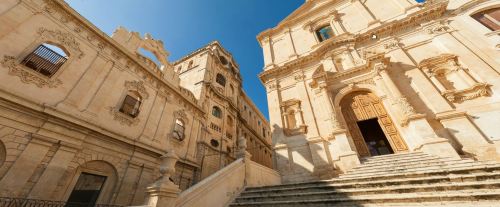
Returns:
<point x="44" y="60"/>
<point x="23" y="202"/>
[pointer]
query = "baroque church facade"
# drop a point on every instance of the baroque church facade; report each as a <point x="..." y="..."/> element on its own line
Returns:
<point x="87" y="118"/>
<point x="349" y="80"/>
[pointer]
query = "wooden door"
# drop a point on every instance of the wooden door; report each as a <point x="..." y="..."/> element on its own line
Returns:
<point x="360" y="106"/>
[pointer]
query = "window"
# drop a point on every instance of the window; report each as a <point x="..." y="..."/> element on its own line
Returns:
<point x="231" y="89"/>
<point x="290" y="118"/>
<point x="216" y="112"/>
<point x="324" y="33"/>
<point x="220" y="79"/>
<point x="87" y="189"/>
<point x="214" y="143"/>
<point x="190" y="65"/>
<point x="46" y="59"/>
<point x="230" y="121"/>
<point x="179" y="129"/>
<point x="223" y="60"/>
<point x="489" y="18"/>
<point x="131" y="104"/>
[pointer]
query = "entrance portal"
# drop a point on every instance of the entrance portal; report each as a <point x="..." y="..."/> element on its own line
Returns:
<point x="369" y="125"/>
<point x="87" y="190"/>
<point x="374" y="137"/>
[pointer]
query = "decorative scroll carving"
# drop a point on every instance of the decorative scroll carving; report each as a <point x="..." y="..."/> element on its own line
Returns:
<point x="137" y="86"/>
<point x="64" y="38"/>
<point x="181" y="114"/>
<point x="123" y="118"/>
<point x="25" y="74"/>
<point x="441" y="27"/>
<point x="477" y="90"/>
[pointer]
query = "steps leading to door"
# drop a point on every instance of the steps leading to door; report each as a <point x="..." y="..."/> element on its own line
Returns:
<point x="408" y="179"/>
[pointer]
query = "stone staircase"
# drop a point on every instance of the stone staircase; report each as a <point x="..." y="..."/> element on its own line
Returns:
<point x="408" y="179"/>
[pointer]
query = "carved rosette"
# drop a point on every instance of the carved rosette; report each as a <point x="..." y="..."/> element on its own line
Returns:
<point x="25" y="74"/>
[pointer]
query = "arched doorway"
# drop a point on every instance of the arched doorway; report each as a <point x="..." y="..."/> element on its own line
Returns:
<point x="93" y="184"/>
<point x="369" y="125"/>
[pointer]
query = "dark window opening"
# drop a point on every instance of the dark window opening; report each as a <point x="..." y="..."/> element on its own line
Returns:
<point x="220" y="79"/>
<point x="214" y="143"/>
<point x="324" y="33"/>
<point x="87" y="190"/>
<point x="131" y="106"/>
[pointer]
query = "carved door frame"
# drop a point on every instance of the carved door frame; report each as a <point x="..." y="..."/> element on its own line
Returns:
<point x="363" y="105"/>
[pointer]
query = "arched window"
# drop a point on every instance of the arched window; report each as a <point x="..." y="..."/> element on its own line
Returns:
<point x="324" y="33"/>
<point x="220" y="79"/>
<point x="216" y="112"/>
<point x="190" y="65"/>
<point x="230" y="121"/>
<point x="46" y="59"/>
<point x="179" y="129"/>
<point x="231" y="88"/>
<point x="131" y="104"/>
<point x="489" y="18"/>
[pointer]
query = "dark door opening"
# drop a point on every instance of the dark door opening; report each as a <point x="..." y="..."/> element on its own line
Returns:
<point x="374" y="137"/>
<point x="86" y="191"/>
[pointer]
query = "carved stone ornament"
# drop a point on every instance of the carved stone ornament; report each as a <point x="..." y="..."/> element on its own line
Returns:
<point x="123" y="118"/>
<point x="181" y="114"/>
<point x="26" y="75"/>
<point x="478" y="90"/>
<point x="440" y="28"/>
<point x="137" y="86"/>
<point x="63" y="38"/>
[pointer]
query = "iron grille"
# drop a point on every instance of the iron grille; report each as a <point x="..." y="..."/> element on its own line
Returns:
<point x="44" y="61"/>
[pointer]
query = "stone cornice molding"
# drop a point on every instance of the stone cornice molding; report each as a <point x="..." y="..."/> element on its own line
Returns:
<point x="432" y="11"/>
<point x="61" y="11"/>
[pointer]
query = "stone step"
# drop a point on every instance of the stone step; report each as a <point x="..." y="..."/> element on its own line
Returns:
<point x="371" y="184"/>
<point x="445" y="169"/>
<point x="445" y="196"/>
<point x="401" y="160"/>
<point x="411" y="167"/>
<point x="334" y="193"/>
<point x="395" y="156"/>
<point x="416" y="162"/>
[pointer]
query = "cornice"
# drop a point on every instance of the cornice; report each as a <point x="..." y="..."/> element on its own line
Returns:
<point x="430" y="12"/>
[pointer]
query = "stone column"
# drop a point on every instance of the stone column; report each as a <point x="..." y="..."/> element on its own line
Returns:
<point x="424" y="136"/>
<point x="164" y="193"/>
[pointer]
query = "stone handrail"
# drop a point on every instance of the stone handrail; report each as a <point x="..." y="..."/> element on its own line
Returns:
<point x="218" y="189"/>
<point x="261" y="175"/>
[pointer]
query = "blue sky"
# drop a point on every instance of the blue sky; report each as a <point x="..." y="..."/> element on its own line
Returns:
<point x="186" y="25"/>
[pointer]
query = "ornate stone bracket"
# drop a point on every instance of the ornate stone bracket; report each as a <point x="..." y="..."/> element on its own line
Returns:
<point x="123" y="118"/>
<point x="26" y="75"/>
<point x="302" y="129"/>
<point x="477" y="90"/>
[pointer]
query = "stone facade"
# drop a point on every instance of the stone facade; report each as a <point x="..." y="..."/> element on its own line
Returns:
<point x="106" y="111"/>
<point x="427" y="74"/>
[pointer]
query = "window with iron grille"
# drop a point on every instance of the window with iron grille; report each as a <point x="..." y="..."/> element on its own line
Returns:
<point x="179" y="129"/>
<point x="131" y="104"/>
<point x="46" y="59"/>
<point x="217" y="112"/>
<point x="489" y="18"/>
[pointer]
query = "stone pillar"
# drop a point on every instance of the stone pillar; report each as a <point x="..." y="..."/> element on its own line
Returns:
<point x="427" y="139"/>
<point x="164" y="193"/>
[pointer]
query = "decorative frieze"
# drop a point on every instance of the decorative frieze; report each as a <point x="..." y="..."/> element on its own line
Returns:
<point x="26" y="75"/>
<point x="63" y="38"/>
